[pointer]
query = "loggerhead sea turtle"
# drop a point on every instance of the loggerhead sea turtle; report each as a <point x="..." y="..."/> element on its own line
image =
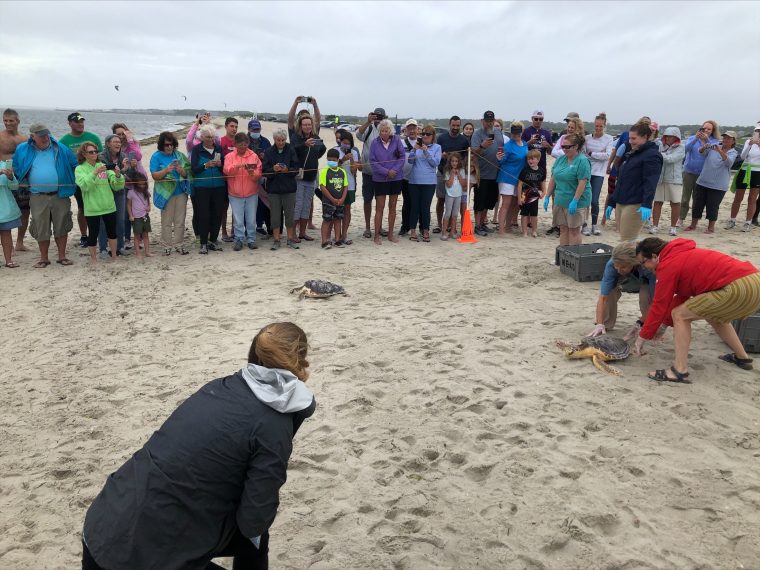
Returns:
<point x="600" y="349"/>
<point x="318" y="289"/>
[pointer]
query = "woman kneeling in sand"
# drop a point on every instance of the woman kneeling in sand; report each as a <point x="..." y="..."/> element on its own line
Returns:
<point x="695" y="284"/>
<point x="206" y="484"/>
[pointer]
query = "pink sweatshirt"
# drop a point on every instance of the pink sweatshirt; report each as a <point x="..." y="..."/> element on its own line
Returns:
<point x="242" y="182"/>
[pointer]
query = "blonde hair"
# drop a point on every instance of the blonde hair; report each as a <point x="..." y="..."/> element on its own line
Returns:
<point x="625" y="254"/>
<point x="579" y="127"/>
<point x="281" y="345"/>
<point x="716" y="128"/>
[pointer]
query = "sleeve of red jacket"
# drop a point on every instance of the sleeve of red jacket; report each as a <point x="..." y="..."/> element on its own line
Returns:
<point x="662" y="305"/>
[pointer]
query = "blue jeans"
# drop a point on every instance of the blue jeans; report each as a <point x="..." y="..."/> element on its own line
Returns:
<point x="244" y="217"/>
<point x="596" y="190"/>
<point x="421" y="197"/>
<point x="120" y="197"/>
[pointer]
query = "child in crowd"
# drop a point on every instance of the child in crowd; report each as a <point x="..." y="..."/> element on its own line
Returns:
<point x="10" y="215"/>
<point x="530" y="189"/>
<point x="455" y="181"/>
<point x="138" y="208"/>
<point x="473" y="179"/>
<point x="333" y="183"/>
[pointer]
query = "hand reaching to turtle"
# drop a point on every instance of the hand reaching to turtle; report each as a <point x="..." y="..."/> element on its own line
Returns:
<point x="633" y="332"/>
<point x="638" y="347"/>
<point x="598" y="330"/>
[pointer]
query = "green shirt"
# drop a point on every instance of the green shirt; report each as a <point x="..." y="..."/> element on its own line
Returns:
<point x="566" y="177"/>
<point x="334" y="179"/>
<point x="74" y="143"/>
<point x="97" y="193"/>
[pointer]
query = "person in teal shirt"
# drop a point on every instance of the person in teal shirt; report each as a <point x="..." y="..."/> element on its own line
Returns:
<point x="10" y="214"/>
<point x="571" y="187"/>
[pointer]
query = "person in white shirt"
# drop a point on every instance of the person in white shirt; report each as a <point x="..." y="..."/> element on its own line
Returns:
<point x="748" y="177"/>
<point x="598" y="148"/>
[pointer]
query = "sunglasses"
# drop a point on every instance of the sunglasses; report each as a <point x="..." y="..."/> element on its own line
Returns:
<point x="427" y="134"/>
<point x="167" y="145"/>
<point x="566" y="146"/>
<point x="539" y="119"/>
<point x="91" y="152"/>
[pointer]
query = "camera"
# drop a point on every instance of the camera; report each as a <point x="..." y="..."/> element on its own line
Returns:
<point x="419" y="141"/>
<point x="491" y="136"/>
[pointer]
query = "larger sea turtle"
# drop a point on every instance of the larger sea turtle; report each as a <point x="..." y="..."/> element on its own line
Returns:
<point x="318" y="289"/>
<point x="600" y="349"/>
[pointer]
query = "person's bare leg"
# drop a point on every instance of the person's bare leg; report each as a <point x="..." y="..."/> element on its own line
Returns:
<point x="379" y="210"/>
<point x="727" y="334"/>
<point x="22" y="231"/>
<point x="291" y="232"/>
<point x="502" y="217"/>
<point x="325" y="232"/>
<point x="564" y="236"/>
<point x="146" y="245"/>
<point x="534" y="225"/>
<point x="60" y="242"/>
<point x="574" y="236"/>
<point x="6" y="239"/>
<point x="752" y="204"/>
<point x="310" y="222"/>
<point x="44" y="249"/>
<point x="346" y="222"/>
<point x="136" y="240"/>
<point x="439" y="212"/>
<point x="737" y="203"/>
<point x="675" y="213"/>
<point x="656" y="211"/>
<point x="93" y="254"/>
<point x="112" y="249"/>
<point x="392" y="217"/>
<point x="524" y="224"/>
<point x="682" y="319"/>
<point x="367" y="214"/>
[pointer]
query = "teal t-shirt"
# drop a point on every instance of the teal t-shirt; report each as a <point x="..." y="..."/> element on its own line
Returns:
<point x="566" y="177"/>
<point x="74" y="143"/>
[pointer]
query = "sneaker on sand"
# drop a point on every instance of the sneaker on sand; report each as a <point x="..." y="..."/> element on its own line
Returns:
<point x="730" y="224"/>
<point x="203" y="250"/>
<point x="586" y="231"/>
<point x="674" y="231"/>
<point x="653" y="230"/>
<point x="252" y="245"/>
<point x="595" y="230"/>
<point x="238" y="246"/>
<point x="747" y="227"/>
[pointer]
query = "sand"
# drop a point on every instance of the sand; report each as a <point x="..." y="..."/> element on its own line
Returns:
<point x="450" y="432"/>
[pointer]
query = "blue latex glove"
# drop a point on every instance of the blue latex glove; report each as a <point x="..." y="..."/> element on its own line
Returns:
<point x="646" y="213"/>
<point x="572" y="207"/>
<point x="608" y="212"/>
<point x="546" y="203"/>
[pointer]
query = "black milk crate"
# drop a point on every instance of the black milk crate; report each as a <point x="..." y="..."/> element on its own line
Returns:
<point x="582" y="262"/>
<point x="749" y="332"/>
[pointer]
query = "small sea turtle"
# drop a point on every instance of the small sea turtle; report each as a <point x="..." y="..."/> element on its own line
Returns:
<point x="600" y="349"/>
<point x="318" y="289"/>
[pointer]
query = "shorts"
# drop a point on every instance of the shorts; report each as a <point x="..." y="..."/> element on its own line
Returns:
<point x="304" y="196"/>
<point x="754" y="180"/>
<point x="22" y="198"/>
<point x="332" y="212"/>
<point x="440" y="186"/>
<point x="141" y="225"/>
<point x="368" y="188"/>
<point x="506" y="189"/>
<point x="561" y="217"/>
<point x="79" y="199"/>
<point x="390" y="188"/>
<point x="667" y="192"/>
<point x="529" y="209"/>
<point x="11" y="225"/>
<point x="350" y="197"/>
<point x="737" y="300"/>
<point x="47" y="209"/>
<point x="486" y="195"/>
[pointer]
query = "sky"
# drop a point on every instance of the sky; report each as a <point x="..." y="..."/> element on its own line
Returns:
<point x="678" y="62"/>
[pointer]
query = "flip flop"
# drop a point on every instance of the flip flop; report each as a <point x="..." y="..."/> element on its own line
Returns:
<point x="41" y="264"/>
<point x="306" y="238"/>
<point x="743" y="363"/>
<point x="348" y="241"/>
<point x="64" y="261"/>
<point x="426" y="239"/>
<point x="11" y="265"/>
<point x="709" y="232"/>
<point x="662" y="376"/>
<point x="367" y="234"/>
<point x="436" y="230"/>
<point x="414" y="238"/>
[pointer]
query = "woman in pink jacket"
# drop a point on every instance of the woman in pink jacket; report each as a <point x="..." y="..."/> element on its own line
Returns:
<point x="242" y="168"/>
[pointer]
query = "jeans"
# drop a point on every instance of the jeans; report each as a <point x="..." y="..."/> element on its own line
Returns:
<point x="596" y="190"/>
<point x="120" y="198"/>
<point x="421" y="196"/>
<point x="244" y="217"/>
<point x="208" y="217"/>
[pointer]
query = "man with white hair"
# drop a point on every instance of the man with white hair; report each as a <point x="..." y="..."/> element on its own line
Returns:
<point x="367" y="133"/>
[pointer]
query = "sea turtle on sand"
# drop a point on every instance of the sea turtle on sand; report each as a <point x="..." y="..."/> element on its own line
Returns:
<point x="600" y="349"/>
<point x="318" y="289"/>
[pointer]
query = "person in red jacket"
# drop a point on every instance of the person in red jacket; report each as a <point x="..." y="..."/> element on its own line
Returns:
<point x="696" y="284"/>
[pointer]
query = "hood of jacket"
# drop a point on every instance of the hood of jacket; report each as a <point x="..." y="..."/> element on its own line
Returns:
<point x="676" y="247"/>
<point x="672" y="132"/>
<point x="279" y="389"/>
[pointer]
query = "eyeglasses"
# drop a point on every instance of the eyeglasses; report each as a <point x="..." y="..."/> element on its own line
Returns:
<point x="539" y="119"/>
<point x="428" y="134"/>
<point x="91" y="152"/>
<point x="566" y="146"/>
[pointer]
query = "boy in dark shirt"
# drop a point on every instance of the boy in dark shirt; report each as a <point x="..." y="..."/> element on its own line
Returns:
<point x="530" y="189"/>
<point x="333" y="183"/>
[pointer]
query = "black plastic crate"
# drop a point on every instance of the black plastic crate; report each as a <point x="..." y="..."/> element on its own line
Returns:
<point x="749" y="332"/>
<point x="582" y="262"/>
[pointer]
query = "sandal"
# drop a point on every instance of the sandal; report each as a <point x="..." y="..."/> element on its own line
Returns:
<point x="426" y="238"/>
<point x="414" y="238"/>
<point x="743" y="363"/>
<point x="662" y="376"/>
<point x="41" y="264"/>
<point x="294" y="240"/>
<point x="11" y="265"/>
<point x="64" y="261"/>
<point x="367" y="234"/>
<point x="437" y="230"/>
<point x="326" y="245"/>
<point x="306" y="238"/>
<point x="348" y="241"/>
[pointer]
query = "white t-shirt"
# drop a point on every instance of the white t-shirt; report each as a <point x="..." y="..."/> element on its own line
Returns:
<point x="455" y="190"/>
<point x="347" y="167"/>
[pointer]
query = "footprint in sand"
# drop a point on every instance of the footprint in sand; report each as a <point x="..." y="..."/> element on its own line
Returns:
<point x="478" y="473"/>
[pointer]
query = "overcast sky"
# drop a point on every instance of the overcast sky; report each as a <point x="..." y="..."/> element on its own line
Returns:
<point x="679" y="62"/>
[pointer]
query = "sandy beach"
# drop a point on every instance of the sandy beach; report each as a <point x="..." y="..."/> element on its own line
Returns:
<point x="450" y="431"/>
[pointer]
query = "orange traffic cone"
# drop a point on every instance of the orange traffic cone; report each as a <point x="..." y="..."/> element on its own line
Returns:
<point x="467" y="235"/>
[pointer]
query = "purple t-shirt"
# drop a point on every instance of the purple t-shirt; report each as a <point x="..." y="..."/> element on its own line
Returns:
<point x="139" y="204"/>
<point x="547" y="136"/>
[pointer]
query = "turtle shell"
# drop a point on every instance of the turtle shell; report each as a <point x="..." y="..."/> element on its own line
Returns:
<point x="324" y="287"/>
<point x="615" y="347"/>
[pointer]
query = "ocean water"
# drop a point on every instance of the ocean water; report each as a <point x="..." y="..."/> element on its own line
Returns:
<point x="141" y="125"/>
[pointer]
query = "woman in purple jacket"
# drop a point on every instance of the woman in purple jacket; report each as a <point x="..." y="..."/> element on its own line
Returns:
<point x="386" y="156"/>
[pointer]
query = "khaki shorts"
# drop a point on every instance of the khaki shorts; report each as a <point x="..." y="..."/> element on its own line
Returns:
<point x="47" y="209"/>
<point x="667" y="192"/>
<point x="737" y="300"/>
<point x="561" y="217"/>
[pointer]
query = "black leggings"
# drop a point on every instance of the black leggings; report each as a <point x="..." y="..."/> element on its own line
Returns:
<point x="245" y="555"/>
<point x="210" y="205"/>
<point x="706" y="197"/>
<point x="93" y="227"/>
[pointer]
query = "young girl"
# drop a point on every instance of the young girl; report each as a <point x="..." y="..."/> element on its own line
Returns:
<point x="138" y="208"/>
<point x="473" y="179"/>
<point x="10" y="215"/>
<point x="456" y="182"/>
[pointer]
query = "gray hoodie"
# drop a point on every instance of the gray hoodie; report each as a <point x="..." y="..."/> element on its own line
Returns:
<point x="672" y="157"/>
<point x="213" y="468"/>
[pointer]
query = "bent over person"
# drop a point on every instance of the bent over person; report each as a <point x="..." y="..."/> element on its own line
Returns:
<point x="207" y="483"/>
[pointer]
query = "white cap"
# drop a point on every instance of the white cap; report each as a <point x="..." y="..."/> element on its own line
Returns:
<point x="411" y="122"/>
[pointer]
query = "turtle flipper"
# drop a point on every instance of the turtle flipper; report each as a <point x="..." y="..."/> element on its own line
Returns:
<point x="604" y="367"/>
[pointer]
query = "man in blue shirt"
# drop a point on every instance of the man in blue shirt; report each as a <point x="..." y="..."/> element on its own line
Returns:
<point x="47" y="168"/>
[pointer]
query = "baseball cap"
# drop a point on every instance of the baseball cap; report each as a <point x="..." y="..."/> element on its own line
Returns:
<point x="411" y="122"/>
<point x="379" y="111"/>
<point x="654" y="126"/>
<point x="757" y="126"/>
<point x="254" y="124"/>
<point x="572" y="115"/>
<point x="39" y="129"/>
<point x="538" y="114"/>
<point x="489" y="116"/>
<point x="731" y="134"/>
<point x="75" y="117"/>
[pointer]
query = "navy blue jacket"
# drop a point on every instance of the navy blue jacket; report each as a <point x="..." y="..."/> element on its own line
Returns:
<point x="638" y="177"/>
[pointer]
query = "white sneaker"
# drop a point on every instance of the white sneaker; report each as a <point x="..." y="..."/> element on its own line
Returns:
<point x="679" y="223"/>
<point x="653" y="230"/>
<point x="595" y="230"/>
<point x="730" y="224"/>
<point x="673" y="231"/>
<point x="747" y="227"/>
<point x="586" y="231"/>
